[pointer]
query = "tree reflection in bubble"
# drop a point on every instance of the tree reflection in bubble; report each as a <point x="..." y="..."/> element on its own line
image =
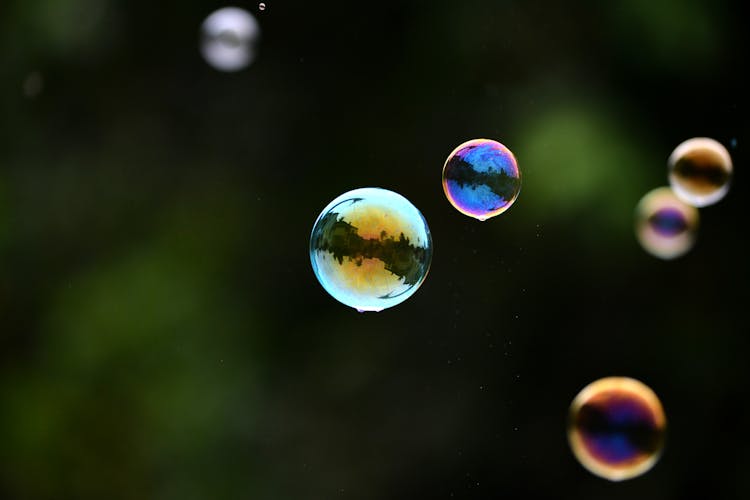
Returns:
<point x="371" y="249"/>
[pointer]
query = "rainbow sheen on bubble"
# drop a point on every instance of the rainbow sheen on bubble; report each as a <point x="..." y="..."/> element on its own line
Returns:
<point x="700" y="170"/>
<point x="370" y="249"/>
<point x="665" y="226"/>
<point x="616" y="428"/>
<point x="481" y="178"/>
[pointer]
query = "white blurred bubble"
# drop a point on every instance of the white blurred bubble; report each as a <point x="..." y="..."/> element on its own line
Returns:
<point x="229" y="39"/>
<point x="665" y="225"/>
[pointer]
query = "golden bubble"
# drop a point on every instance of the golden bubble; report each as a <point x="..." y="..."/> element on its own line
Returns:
<point x="370" y="249"/>
<point x="616" y="428"/>
<point x="700" y="171"/>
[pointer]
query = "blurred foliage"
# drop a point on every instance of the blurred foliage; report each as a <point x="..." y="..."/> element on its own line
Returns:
<point x="148" y="364"/>
<point x="64" y="27"/>
<point x="163" y="335"/>
<point x="678" y="34"/>
<point x="573" y="154"/>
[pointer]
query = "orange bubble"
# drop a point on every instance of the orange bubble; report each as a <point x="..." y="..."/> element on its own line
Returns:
<point x="700" y="170"/>
<point x="616" y="428"/>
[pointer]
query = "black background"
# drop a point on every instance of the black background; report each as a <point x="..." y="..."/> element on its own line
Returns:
<point x="163" y="335"/>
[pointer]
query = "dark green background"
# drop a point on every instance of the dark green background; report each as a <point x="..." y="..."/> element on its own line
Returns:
<point x="162" y="334"/>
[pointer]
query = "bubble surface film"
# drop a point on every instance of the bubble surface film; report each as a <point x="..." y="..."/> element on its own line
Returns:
<point x="616" y="428"/>
<point x="700" y="171"/>
<point x="481" y="178"/>
<point x="229" y="39"/>
<point x="371" y="249"/>
<point x="665" y="226"/>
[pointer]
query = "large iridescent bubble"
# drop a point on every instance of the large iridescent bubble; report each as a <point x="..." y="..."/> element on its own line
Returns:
<point x="665" y="226"/>
<point x="616" y="428"/>
<point x="700" y="170"/>
<point x="481" y="178"/>
<point x="371" y="249"/>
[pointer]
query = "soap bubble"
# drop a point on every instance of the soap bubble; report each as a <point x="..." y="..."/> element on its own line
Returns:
<point x="229" y="39"/>
<point x="371" y="249"/>
<point x="616" y="428"/>
<point x="481" y="178"/>
<point x="664" y="225"/>
<point x="700" y="170"/>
